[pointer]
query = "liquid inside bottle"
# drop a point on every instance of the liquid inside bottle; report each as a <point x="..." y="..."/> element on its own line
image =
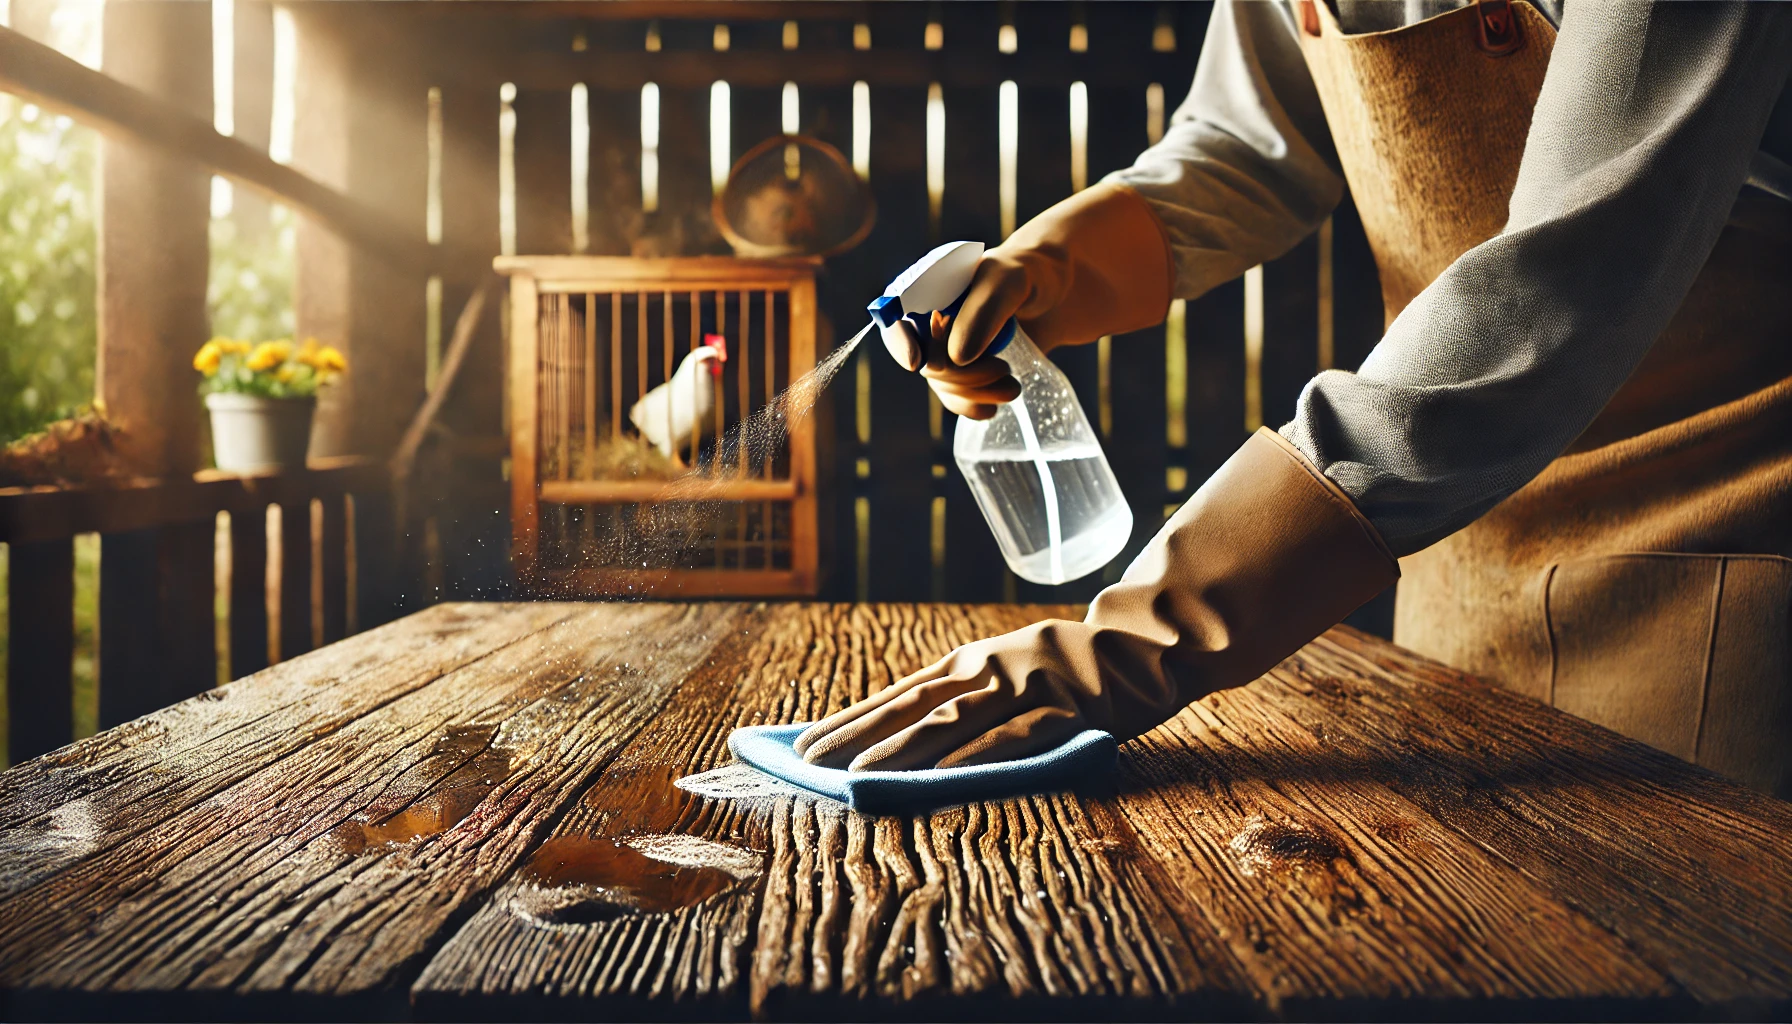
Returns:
<point x="1040" y="476"/>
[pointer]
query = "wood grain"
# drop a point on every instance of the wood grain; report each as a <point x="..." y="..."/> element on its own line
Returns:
<point x="330" y="870"/>
<point x="428" y="820"/>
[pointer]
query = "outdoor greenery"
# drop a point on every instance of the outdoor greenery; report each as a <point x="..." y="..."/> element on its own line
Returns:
<point x="47" y="319"/>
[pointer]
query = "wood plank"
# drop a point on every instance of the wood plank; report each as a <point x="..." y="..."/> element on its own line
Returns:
<point x="157" y="634"/>
<point x="902" y="452"/>
<point x="1136" y="446"/>
<point x="128" y="656"/>
<point x="40" y="629"/>
<point x="902" y="68"/>
<point x="1693" y="872"/>
<point x="380" y="831"/>
<point x="544" y="171"/>
<point x="51" y="513"/>
<point x="248" y="592"/>
<point x="975" y="570"/>
<point x="379" y="596"/>
<point x="1290" y="329"/>
<point x="848" y="912"/>
<point x="295" y="580"/>
<point x="332" y="559"/>
<point x="1215" y="406"/>
<point x="1326" y="887"/>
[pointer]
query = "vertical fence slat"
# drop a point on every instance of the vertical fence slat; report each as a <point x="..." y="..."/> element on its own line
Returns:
<point x="157" y="631"/>
<point x="378" y="588"/>
<point x="127" y="626"/>
<point x="295" y="579"/>
<point x="474" y="537"/>
<point x="1136" y="446"/>
<point x="187" y="600"/>
<point x="1215" y="380"/>
<point x="1290" y="329"/>
<point x="333" y="559"/>
<point x="41" y="649"/>
<point x="901" y="454"/>
<point x="248" y="592"/>
<point x="975" y="570"/>
<point x="544" y="171"/>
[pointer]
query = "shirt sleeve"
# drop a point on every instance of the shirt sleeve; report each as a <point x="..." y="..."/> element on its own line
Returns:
<point x="1642" y="136"/>
<point x="1246" y="168"/>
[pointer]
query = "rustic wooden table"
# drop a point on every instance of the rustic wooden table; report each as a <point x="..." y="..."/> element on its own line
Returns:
<point x="466" y="814"/>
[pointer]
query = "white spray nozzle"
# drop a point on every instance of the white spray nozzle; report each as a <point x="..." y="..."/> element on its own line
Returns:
<point x="936" y="282"/>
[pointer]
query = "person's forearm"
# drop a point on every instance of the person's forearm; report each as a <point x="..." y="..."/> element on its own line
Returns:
<point x="1639" y="145"/>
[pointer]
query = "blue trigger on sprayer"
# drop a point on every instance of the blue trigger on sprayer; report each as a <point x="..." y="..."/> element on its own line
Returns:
<point x="1034" y="464"/>
<point x="887" y="309"/>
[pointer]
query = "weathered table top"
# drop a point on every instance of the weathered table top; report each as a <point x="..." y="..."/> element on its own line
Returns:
<point x="466" y="814"/>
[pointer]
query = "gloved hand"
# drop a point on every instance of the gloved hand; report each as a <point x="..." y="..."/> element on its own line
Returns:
<point x="1097" y="263"/>
<point x="1267" y="555"/>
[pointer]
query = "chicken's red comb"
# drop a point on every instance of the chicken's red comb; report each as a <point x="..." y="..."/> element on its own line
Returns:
<point x="719" y="343"/>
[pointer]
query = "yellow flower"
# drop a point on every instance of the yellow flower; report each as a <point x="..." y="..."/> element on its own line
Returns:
<point x="331" y="360"/>
<point x="269" y="354"/>
<point x="307" y="353"/>
<point x="286" y="374"/>
<point x="231" y="346"/>
<point x="206" y="360"/>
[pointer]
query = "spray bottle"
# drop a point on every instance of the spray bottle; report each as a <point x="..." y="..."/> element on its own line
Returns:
<point x="1036" y="469"/>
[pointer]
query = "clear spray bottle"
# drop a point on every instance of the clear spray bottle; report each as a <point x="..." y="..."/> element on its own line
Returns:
<point x="1036" y="468"/>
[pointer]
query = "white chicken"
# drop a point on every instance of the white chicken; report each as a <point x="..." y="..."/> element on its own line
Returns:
<point x="666" y="414"/>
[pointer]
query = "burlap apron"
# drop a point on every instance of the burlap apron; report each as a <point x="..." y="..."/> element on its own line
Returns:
<point x="1642" y="580"/>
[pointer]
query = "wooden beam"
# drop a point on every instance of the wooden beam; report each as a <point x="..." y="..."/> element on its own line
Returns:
<point x="29" y="514"/>
<point x="747" y="69"/>
<point x="119" y="109"/>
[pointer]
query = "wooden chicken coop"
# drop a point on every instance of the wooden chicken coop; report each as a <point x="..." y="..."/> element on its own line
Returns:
<point x="718" y="499"/>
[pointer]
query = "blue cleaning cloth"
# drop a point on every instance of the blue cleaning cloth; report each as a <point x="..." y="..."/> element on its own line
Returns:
<point x="770" y="748"/>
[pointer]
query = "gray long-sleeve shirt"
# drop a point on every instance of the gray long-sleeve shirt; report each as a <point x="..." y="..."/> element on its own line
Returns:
<point x="1648" y="121"/>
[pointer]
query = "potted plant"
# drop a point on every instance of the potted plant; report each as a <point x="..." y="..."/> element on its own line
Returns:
<point x="261" y="399"/>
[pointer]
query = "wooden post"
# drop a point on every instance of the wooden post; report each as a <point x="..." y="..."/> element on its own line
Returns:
<point x="361" y="127"/>
<point x="41" y="623"/>
<point x="252" y="104"/>
<point x="153" y="246"/>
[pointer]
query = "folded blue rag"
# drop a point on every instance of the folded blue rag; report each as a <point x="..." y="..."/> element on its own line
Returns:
<point x="770" y="748"/>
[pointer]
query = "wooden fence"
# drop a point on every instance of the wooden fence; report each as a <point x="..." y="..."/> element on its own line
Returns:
<point x="1172" y="402"/>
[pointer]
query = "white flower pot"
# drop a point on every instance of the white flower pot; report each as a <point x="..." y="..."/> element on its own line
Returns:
<point x="252" y="434"/>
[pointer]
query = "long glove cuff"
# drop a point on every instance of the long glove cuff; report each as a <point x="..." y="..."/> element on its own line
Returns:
<point x="1099" y="263"/>
<point x="1267" y="555"/>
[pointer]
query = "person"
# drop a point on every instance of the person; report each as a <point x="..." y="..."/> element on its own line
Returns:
<point x="1572" y="446"/>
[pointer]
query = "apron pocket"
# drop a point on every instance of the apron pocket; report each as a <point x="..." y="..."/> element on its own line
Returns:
<point x="1687" y="653"/>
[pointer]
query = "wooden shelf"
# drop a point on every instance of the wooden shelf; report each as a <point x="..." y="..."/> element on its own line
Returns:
<point x="598" y="492"/>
